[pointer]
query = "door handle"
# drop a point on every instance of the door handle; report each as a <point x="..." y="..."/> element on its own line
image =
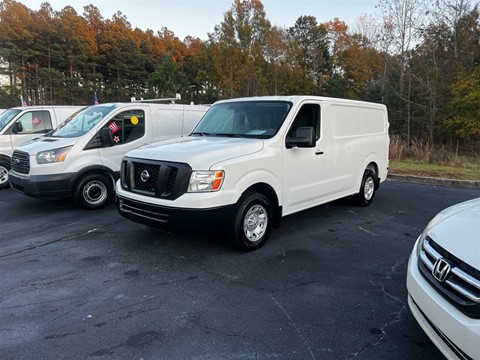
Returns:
<point x="318" y="152"/>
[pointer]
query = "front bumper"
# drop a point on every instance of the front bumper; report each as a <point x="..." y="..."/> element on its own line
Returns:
<point x="175" y="219"/>
<point x="42" y="186"/>
<point x="456" y="335"/>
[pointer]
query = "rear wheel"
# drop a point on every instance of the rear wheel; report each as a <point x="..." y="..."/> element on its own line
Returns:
<point x="252" y="221"/>
<point x="4" y="167"/>
<point x="367" y="189"/>
<point x="93" y="191"/>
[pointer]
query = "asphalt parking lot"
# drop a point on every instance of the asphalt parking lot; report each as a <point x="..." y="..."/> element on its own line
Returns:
<point x="329" y="284"/>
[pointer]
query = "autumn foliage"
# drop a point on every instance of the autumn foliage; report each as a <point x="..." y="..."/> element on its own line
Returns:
<point x="419" y="58"/>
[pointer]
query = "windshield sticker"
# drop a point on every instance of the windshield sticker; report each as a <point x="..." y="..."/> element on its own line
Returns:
<point x="114" y="127"/>
<point x="256" y="132"/>
<point x="134" y="120"/>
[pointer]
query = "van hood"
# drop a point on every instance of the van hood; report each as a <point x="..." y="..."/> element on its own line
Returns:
<point x="457" y="230"/>
<point x="201" y="153"/>
<point x="46" y="143"/>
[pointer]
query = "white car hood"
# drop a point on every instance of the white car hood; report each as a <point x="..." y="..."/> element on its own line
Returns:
<point x="201" y="153"/>
<point x="46" y="143"/>
<point x="457" y="230"/>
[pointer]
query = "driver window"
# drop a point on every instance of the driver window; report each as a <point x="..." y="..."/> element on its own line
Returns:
<point x="127" y="126"/>
<point x="35" y="122"/>
<point x="308" y="115"/>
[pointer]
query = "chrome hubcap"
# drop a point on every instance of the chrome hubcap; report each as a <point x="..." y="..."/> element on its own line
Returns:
<point x="369" y="188"/>
<point x="3" y="175"/>
<point x="95" y="192"/>
<point x="255" y="223"/>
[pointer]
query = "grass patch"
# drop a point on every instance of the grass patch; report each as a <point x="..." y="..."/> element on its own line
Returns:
<point x="435" y="170"/>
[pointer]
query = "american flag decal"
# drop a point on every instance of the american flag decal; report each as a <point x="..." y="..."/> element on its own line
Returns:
<point x="36" y="121"/>
<point x="114" y="127"/>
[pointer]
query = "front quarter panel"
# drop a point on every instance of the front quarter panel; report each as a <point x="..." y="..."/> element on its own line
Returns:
<point x="242" y="173"/>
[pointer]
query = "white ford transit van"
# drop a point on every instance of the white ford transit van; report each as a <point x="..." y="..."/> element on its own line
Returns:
<point x="20" y="124"/>
<point x="251" y="161"/>
<point x="82" y="157"/>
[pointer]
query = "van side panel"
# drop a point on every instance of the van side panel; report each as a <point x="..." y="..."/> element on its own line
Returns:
<point x="63" y="113"/>
<point x="359" y="136"/>
<point x="372" y="121"/>
<point x="166" y="124"/>
<point x="376" y="146"/>
<point x="344" y="156"/>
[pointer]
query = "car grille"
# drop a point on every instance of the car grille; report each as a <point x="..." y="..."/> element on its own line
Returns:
<point x="457" y="281"/>
<point x="161" y="179"/>
<point x="20" y="162"/>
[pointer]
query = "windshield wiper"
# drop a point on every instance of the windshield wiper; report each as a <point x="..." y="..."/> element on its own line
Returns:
<point x="201" y="133"/>
<point x="230" y="135"/>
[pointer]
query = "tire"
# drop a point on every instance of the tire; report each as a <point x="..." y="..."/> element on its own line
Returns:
<point x="367" y="189"/>
<point x="252" y="221"/>
<point x="4" y="168"/>
<point x="93" y="191"/>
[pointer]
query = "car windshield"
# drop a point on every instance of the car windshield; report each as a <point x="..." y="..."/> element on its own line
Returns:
<point x="249" y="119"/>
<point x="8" y="115"/>
<point x="82" y="122"/>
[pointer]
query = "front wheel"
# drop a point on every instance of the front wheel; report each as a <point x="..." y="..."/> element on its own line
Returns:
<point x="252" y="221"/>
<point x="367" y="189"/>
<point x="4" y="167"/>
<point x="93" y="191"/>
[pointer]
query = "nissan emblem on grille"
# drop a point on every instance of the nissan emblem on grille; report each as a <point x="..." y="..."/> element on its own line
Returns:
<point x="144" y="176"/>
<point x="441" y="270"/>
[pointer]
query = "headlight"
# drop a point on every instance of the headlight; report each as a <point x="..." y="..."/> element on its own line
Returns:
<point x="206" y="181"/>
<point x="420" y="241"/>
<point x="425" y="231"/>
<point x="51" y="156"/>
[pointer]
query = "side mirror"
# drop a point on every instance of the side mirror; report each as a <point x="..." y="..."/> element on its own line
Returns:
<point x="17" y="127"/>
<point x="305" y="138"/>
<point x="106" y="137"/>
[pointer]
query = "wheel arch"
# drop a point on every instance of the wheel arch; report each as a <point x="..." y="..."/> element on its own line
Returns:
<point x="6" y="158"/>
<point x="102" y="170"/>
<point x="270" y="193"/>
<point x="373" y="166"/>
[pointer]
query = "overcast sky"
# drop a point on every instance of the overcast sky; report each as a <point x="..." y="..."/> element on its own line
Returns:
<point x="198" y="18"/>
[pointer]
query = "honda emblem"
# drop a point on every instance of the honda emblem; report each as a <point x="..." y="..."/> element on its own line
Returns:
<point x="441" y="269"/>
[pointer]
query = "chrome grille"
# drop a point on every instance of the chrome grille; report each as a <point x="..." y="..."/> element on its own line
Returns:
<point x="20" y="162"/>
<point x="460" y="282"/>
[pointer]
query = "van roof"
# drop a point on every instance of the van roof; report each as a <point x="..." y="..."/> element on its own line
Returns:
<point x="119" y="105"/>
<point x="40" y="107"/>
<point x="295" y="99"/>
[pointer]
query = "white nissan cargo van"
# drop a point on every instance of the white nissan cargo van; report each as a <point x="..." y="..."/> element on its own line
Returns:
<point x="20" y="124"/>
<point x="82" y="157"/>
<point x="251" y="161"/>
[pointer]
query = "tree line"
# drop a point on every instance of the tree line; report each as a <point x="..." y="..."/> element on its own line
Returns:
<point x="420" y="58"/>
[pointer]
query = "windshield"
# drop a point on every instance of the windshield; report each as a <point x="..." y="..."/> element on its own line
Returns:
<point x="250" y="119"/>
<point x="82" y="122"/>
<point x="8" y="115"/>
